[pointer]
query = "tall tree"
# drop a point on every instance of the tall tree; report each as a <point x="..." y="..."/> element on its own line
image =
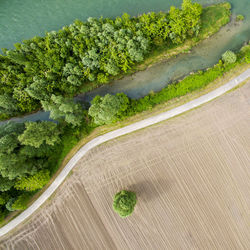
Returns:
<point x="37" y="133"/>
<point x="124" y="203"/>
<point x="107" y="109"/>
<point x="32" y="183"/>
<point x="7" y="105"/>
<point x="64" y="109"/>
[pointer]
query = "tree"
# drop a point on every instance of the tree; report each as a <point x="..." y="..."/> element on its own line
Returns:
<point x="16" y="165"/>
<point x="107" y="109"/>
<point x="7" y="105"/>
<point x="6" y="184"/>
<point x="124" y="203"/>
<point x="21" y="201"/>
<point x="9" y="204"/>
<point x="4" y="197"/>
<point x="8" y="143"/>
<point x="38" y="89"/>
<point x="229" y="57"/>
<point x="240" y="18"/>
<point x="63" y="108"/>
<point x="178" y="28"/>
<point x="13" y="164"/>
<point x="32" y="183"/>
<point x="36" y="133"/>
<point x="192" y="13"/>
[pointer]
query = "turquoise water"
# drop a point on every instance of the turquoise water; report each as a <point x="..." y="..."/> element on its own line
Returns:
<point x="24" y="19"/>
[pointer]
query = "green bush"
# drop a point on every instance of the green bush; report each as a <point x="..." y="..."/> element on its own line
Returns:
<point x="229" y="57"/>
<point x="34" y="182"/>
<point x="4" y="197"/>
<point x="9" y="204"/>
<point x="3" y="214"/>
<point x="240" y="18"/>
<point x="124" y="203"/>
<point x="108" y="109"/>
<point x="245" y="53"/>
<point x="21" y="202"/>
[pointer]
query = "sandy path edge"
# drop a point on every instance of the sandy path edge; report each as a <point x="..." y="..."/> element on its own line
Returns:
<point x="114" y="134"/>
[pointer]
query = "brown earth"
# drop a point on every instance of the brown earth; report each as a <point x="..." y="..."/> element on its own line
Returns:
<point x="191" y="175"/>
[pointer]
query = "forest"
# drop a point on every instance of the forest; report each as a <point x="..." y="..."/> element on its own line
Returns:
<point x="62" y="63"/>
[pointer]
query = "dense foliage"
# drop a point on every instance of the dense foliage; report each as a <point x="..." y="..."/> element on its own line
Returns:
<point x="108" y="109"/>
<point x="25" y="150"/>
<point x="62" y="62"/>
<point x="34" y="182"/>
<point x="64" y="109"/>
<point x="37" y="133"/>
<point x="124" y="203"/>
<point x="240" y="18"/>
<point x="229" y="57"/>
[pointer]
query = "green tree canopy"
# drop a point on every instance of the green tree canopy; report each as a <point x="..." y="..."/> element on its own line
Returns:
<point x="9" y="204"/>
<point x="107" y="109"/>
<point x="6" y="184"/>
<point x="64" y="108"/>
<point x="4" y="197"/>
<point x="36" y="133"/>
<point x="229" y="57"/>
<point x="64" y="63"/>
<point x="7" y="104"/>
<point x="124" y="203"/>
<point x="32" y="183"/>
<point x="21" y="201"/>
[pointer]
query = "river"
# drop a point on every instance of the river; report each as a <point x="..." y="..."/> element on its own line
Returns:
<point x="24" y="19"/>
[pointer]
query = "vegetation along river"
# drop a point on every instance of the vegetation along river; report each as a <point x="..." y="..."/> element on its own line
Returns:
<point x="24" y="19"/>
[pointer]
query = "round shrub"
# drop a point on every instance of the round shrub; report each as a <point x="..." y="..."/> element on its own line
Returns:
<point x="108" y="109"/>
<point x="9" y="204"/>
<point x="240" y="18"/>
<point x="229" y="57"/>
<point x="124" y="203"/>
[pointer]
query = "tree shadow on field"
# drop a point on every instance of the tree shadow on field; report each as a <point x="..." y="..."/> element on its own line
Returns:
<point x="149" y="190"/>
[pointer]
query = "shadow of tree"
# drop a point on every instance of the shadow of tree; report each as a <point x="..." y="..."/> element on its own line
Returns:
<point x="149" y="190"/>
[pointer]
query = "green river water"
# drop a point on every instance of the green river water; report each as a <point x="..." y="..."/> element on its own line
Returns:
<point x="24" y="19"/>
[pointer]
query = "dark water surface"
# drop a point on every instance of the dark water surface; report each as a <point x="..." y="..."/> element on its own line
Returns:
<point x="24" y="19"/>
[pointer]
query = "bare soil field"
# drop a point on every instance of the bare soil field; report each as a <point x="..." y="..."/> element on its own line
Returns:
<point x="191" y="175"/>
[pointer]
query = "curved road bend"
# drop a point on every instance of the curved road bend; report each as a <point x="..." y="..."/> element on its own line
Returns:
<point x="116" y="133"/>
